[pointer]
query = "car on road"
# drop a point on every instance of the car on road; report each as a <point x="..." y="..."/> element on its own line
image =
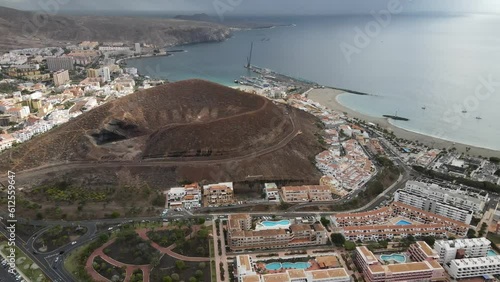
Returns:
<point x="74" y="242"/>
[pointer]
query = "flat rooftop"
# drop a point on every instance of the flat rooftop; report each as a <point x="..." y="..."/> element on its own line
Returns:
<point x="329" y="273"/>
<point x="250" y="278"/>
<point x="278" y="277"/>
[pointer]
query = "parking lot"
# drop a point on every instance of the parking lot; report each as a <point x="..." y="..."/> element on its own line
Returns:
<point x="5" y="276"/>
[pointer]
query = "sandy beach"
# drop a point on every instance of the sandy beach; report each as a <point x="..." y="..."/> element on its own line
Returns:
<point x="328" y="98"/>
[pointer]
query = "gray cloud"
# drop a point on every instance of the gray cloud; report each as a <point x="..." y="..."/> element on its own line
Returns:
<point x="266" y="7"/>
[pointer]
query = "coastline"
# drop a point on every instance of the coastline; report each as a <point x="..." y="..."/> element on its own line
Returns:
<point x="328" y="98"/>
<point x="166" y="54"/>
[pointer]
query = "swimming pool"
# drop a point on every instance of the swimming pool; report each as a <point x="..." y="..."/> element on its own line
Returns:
<point x="492" y="253"/>
<point x="394" y="257"/>
<point x="268" y="224"/>
<point x="403" y="222"/>
<point x="276" y="223"/>
<point x="296" y="265"/>
<point x="287" y="265"/>
<point x="273" y="266"/>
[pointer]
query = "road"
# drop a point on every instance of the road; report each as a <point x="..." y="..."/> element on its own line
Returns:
<point x="41" y="262"/>
<point x="56" y="271"/>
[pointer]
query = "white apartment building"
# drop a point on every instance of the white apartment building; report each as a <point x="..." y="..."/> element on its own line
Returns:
<point x="6" y="141"/>
<point x="244" y="266"/>
<point x="114" y="48"/>
<point x="272" y="192"/>
<point x="448" y="250"/>
<point x="186" y="197"/>
<point x="423" y="202"/>
<point x="19" y="113"/>
<point x="106" y="75"/>
<point x="454" y="195"/>
<point x="473" y="267"/>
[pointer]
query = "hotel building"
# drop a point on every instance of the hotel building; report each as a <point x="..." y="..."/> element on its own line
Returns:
<point x="218" y="194"/>
<point x="376" y="224"/>
<point x="449" y="250"/>
<point x="451" y="195"/>
<point x="375" y="271"/>
<point x="307" y="193"/>
<point x="473" y="267"/>
<point x="246" y="273"/>
<point x="427" y="204"/>
<point x="241" y="236"/>
<point x="187" y="197"/>
<point x="62" y="63"/>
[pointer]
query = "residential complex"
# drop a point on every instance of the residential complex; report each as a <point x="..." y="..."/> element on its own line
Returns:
<point x="307" y="193"/>
<point x="431" y="205"/>
<point x="348" y="164"/>
<point x="61" y="77"/>
<point x="396" y="221"/>
<point x="345" y="165"/>
<point x="421" y="251"/>
<point x="448" y="195"/>
<point x="449" y="250"/>
<point x="62" y="63"/>
<point x="473" y="267"/>
<point x="376" y="268"/>
<point x="246" y="271"/>
<point x="186" y="197"/>
<point x="103" y="73"/>
<point x="466" y="258"/>
<point x="218" y="194"/>
<point x="6" y="141"/>
<point x="268" y="235"/>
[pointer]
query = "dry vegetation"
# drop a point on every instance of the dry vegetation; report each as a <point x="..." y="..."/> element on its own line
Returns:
<point x="188" y="116"/>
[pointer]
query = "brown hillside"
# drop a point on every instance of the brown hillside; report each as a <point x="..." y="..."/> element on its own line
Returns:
<point x="191" y="118"/>
<point x="131" y="148"/>
<point x="22" y="29"/>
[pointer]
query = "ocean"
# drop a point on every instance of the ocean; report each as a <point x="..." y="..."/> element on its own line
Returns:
<point x="439" y="71"/>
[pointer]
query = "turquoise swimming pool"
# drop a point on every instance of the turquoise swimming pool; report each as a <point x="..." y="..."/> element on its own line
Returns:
<point x="276" y="223"/>
<point x="492" y="253"/>
<point x="287" y="265"/>
<point x="394" y="257"/>
<point x="273" y="265"/>
<point x="403" y="222"/>
<point x="296" y="265"/>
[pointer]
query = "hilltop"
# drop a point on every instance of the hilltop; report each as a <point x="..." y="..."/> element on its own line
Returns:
<point x="191" y="123"/>
<point x="22" y="29"/>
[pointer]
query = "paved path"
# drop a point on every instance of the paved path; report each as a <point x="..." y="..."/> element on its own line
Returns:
<point x="169" y="250"/>
<point x="216" y="249"/>
<point x="223" y="258"/>
<point x="129" y="267"/>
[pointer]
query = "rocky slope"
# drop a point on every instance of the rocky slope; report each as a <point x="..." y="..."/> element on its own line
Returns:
<point x="21" y="29"/>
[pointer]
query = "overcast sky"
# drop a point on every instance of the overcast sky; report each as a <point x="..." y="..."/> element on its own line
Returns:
<point x="261" y="7"/>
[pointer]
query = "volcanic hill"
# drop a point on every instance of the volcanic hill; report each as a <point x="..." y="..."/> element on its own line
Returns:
<point x="197" y="129"/>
